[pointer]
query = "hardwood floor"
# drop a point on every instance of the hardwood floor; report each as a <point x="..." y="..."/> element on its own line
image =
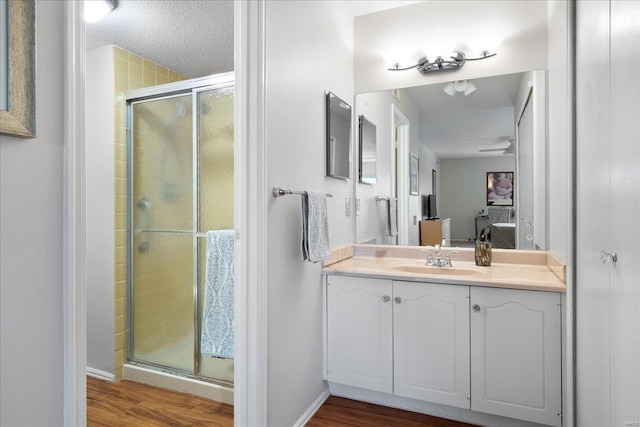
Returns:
<point x="339" y="412"/>
<point x="127" y="403"/>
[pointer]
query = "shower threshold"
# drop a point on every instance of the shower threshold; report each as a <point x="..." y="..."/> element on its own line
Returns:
<point x="172" y="381"/>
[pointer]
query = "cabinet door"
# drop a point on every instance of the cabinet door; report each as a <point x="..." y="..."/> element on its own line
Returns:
<point x="431" y="342"/>
<point x="516" y="354"/>
<point x="359" y="317"/>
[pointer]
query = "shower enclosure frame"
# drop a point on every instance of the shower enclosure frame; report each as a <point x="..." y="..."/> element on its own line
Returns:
<point x="167" y="91"/>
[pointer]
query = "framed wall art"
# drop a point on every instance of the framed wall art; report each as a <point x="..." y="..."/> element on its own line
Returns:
<point x="413" y="175"/>
<point x="17" y="74"/>
<point x="500" y="188"/>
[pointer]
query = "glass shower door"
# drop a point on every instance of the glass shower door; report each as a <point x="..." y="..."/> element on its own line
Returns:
<point x="180" y="185"/>
<point x="215" y="204"/>
<point x="161" y="256"/>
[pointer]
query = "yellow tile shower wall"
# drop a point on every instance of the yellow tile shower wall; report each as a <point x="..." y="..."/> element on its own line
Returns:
<point x="131" y="72"/>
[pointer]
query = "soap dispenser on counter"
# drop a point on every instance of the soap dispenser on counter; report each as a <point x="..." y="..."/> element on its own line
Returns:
<point x="483" y="251"/>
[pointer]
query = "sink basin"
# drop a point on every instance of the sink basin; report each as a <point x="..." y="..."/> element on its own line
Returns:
<point x="440" y="271"/>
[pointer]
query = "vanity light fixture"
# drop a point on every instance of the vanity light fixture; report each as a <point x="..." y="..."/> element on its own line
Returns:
<point x="456" y="60"/>
<point x="459" y="86"/>
<point x="95" y="10"/>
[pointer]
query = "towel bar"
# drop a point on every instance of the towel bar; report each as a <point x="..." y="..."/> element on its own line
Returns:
<point x="277" y="192"/>
<point x="379" y="199"/>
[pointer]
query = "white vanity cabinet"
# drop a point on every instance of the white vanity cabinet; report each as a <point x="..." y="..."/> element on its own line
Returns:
<point x="431" y="342"/>
<point x="406" y="338"/>
<point x="516" y="354"/>
<point x="359" y="332"/>
<point x="491" y="350"/>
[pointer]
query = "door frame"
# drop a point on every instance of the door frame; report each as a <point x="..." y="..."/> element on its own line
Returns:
<point x="250" y="200"/>
<point x="517" y="215"/>
<point x="400" y="152"/>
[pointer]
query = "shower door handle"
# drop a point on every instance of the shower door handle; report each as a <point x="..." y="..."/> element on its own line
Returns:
<point x="145" y="206"/>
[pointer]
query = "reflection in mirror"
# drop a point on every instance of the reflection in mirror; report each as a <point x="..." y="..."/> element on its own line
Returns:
<point x="367" y="152"/>
<point x="460" y="137"/>
<point x="338" y="137"/>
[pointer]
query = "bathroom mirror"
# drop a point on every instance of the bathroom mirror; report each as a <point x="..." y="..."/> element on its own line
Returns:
<point x="338" y="144"/>
<point x="461" y="138"/>
<point x="366" y="151"/>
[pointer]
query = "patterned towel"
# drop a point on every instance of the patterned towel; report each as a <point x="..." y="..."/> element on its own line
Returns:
<point x="315" y="227"/>
<point x="217" y="318"/>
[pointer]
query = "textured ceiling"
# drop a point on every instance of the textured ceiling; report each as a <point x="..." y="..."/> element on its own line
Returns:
<point x="192" y="37"/>
<point x="195" y="38"/>
<point x="459" y="126"/>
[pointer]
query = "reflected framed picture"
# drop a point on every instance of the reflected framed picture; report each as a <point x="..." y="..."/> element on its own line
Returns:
<point x="500" y="188"/>
<point x="413" y="175"/>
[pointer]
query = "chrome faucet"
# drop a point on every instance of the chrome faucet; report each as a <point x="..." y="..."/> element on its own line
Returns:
<point x="435" y="259"/>
<point x="430" y="258"/>
<point x="447" y="259"/>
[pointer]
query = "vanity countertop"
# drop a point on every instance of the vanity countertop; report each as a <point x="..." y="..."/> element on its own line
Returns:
<point x="529" y="270"/>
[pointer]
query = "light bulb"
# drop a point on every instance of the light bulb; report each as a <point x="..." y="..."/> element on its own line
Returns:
<point x="95" y="10"/>
<point x="449" y="90"/>
<point x="460" y="85"/>
<point x="399" y="59"/>
<point x="442" y="48"/>
<point x="488" y="43"/>
<point x="470" y="88"/>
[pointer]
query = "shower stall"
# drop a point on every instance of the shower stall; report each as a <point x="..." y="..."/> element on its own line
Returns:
<point x="180" y="168"/>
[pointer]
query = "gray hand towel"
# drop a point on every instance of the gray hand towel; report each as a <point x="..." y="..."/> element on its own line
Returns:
<point x="392" y="220"/>
<point x="315" y="227"/>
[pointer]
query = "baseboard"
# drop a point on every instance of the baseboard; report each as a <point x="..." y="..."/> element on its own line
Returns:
<point x="101" y="375"/>
<point x="310" y="412"/>
<point x="176" y="383"/>
<point x="427" y="408"/>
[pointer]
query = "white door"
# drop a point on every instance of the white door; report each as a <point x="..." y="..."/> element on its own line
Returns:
<point x="431" y="342"/>
<point x="608" y="213"/>
<point x="516" y="354"/>
<point x="359" y="332"/>
<point x="524" y="178"/>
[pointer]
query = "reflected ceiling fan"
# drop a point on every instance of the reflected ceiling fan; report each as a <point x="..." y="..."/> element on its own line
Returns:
<point x="510" y="149"/>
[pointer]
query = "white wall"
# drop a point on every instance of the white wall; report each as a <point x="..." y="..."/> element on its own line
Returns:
<point x="523" y="24"/>
<point x="559" y="110"/>
<point x="410" y="110"/>
<point x="463" y="190"/>
<point x="376" y="107"/>
<point x="309" y="49"/>
<point x="100" y="184"/>
<point x="31" y="220"/>
<point x="428" y="162"/>
<point x="560" y="172"/>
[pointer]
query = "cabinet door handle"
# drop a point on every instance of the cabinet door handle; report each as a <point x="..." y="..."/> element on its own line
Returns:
<point x="398" y="300"/>
<point x="476" y="308"/>
<point x="386" y="298"/>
